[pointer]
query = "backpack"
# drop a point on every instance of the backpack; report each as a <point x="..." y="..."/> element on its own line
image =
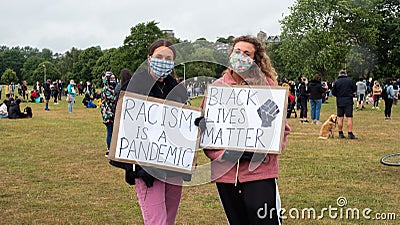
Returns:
<point x="384" y="93"/>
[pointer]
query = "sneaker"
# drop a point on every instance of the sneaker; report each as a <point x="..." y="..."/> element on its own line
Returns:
<point x="351" y="136"/>
<point x="373" y="107"/>
<point x="341" y="135"/>
<point x="318" y="122"/>
<point x="107" y="154"/>
<point x="377" y="107"/>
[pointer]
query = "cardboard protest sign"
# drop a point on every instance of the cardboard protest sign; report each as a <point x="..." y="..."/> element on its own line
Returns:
<point x="245" y="118"/>
<point x="154" y="132"/>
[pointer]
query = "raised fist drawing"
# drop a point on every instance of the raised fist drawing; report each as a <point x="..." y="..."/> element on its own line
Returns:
<point x="267" y="112"/>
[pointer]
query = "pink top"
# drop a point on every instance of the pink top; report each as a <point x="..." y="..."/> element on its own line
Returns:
<point x="225" y="172"/>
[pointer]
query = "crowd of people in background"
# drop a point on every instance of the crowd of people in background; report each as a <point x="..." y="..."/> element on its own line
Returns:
<point x="50" y="91"/>
<point x="363" y="92"/>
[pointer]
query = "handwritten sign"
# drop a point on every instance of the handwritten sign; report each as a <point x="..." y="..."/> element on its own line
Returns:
<point x="245" y="118"/>
<point x="154" y="132"/>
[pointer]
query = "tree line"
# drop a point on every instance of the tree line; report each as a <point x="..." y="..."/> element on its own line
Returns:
<point x="318" y="37"/>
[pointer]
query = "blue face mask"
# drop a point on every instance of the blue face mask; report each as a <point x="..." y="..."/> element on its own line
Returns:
<point x="161" y="68"/>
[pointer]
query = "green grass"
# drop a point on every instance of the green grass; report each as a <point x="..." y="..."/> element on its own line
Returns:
<point x="53" y="171"/>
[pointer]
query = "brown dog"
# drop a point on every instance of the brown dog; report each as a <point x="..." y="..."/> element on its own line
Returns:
<point x="328" y="128"/>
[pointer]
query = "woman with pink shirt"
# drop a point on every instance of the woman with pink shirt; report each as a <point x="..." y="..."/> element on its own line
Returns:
<point x="249" y="196"/>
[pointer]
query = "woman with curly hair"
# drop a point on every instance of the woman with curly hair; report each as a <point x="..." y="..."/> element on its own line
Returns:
<point x="246" y="193"/>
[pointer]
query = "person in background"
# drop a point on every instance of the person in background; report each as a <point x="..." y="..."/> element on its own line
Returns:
<point x="54" y="91"/>
<point x="88" y="88"/>
<point x="396" y="93"/>
<point x="1" y="88"/>
<point x="12" y="89"/>
<point x="303" y="100"/>
<point x="34" y="95"/>
<point x="19" y="89"/>
<point x="125" y="76"/>
<point x="344" y="89"/>
<point x="108" y="105"/>
<point x="4" y="109"/>
<point x="80" y="87"/>
<point x="60" y="89"/>
<point x="244" y="190"/>
<point x="376" y="92"/>
<point x="361" y="90"/>
<point x="47" y="94"/>
<point x="316" y="94"/>
<point x="24" y="88"/>
<point x="71" y="94"/>
<point x="14" y="111"/>
<point x="389" y="101"/>
<point x="38" y="87"/>
<point x="7" y="91"/>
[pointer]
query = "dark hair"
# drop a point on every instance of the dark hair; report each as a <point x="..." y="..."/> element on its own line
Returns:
<point x="343" y="73"/>
<point x="125" y="75"/>
<point x="389" y="81"/>
<point x="317" y="77"/>
<point x="161" y="42"/>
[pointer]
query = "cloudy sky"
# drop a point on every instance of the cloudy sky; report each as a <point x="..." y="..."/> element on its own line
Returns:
<point x="62" y="24"/>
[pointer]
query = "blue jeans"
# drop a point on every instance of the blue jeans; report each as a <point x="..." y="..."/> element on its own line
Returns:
<point x="70" y="105"/>
<point x="109" y="127"/>
<point x="315" y="108"/>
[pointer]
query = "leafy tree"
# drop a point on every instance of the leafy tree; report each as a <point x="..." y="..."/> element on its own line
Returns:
<point x="109" y="61"/>
<point x="272" y="50"/>
<point x="28" y="52"/>
<point x="361" y="23"/>
<point x="29" y="67"/>
<point x="86" y="61"/>
<point x="71" y="57"/>
<point x="388" y="47"/>
<point x="134" y="49"/>
<point x="312" y="39"/>
<point x="47" y="54"/>
<point x="9" y="76"/>
<point x="44" y="71"/>
<point x="13" y="59"/>
<point x="62" y="67"/>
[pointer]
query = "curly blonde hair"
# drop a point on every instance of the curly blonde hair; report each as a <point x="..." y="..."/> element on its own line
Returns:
<point x="260" y="56"/>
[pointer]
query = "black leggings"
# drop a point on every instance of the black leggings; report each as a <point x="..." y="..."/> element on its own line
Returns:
<point x="388" y="107"/>
<point x="303" y="109"/>
<point x="252" y="202"/>
<point x="376" y="100"/>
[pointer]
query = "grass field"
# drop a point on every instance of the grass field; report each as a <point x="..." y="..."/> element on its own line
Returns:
<point x="53" y="171"/>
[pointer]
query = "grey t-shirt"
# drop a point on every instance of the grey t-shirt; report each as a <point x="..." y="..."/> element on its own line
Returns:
<point x="361" y="88"/>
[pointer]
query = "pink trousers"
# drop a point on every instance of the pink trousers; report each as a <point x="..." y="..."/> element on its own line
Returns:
<point x="160" y="202"/>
